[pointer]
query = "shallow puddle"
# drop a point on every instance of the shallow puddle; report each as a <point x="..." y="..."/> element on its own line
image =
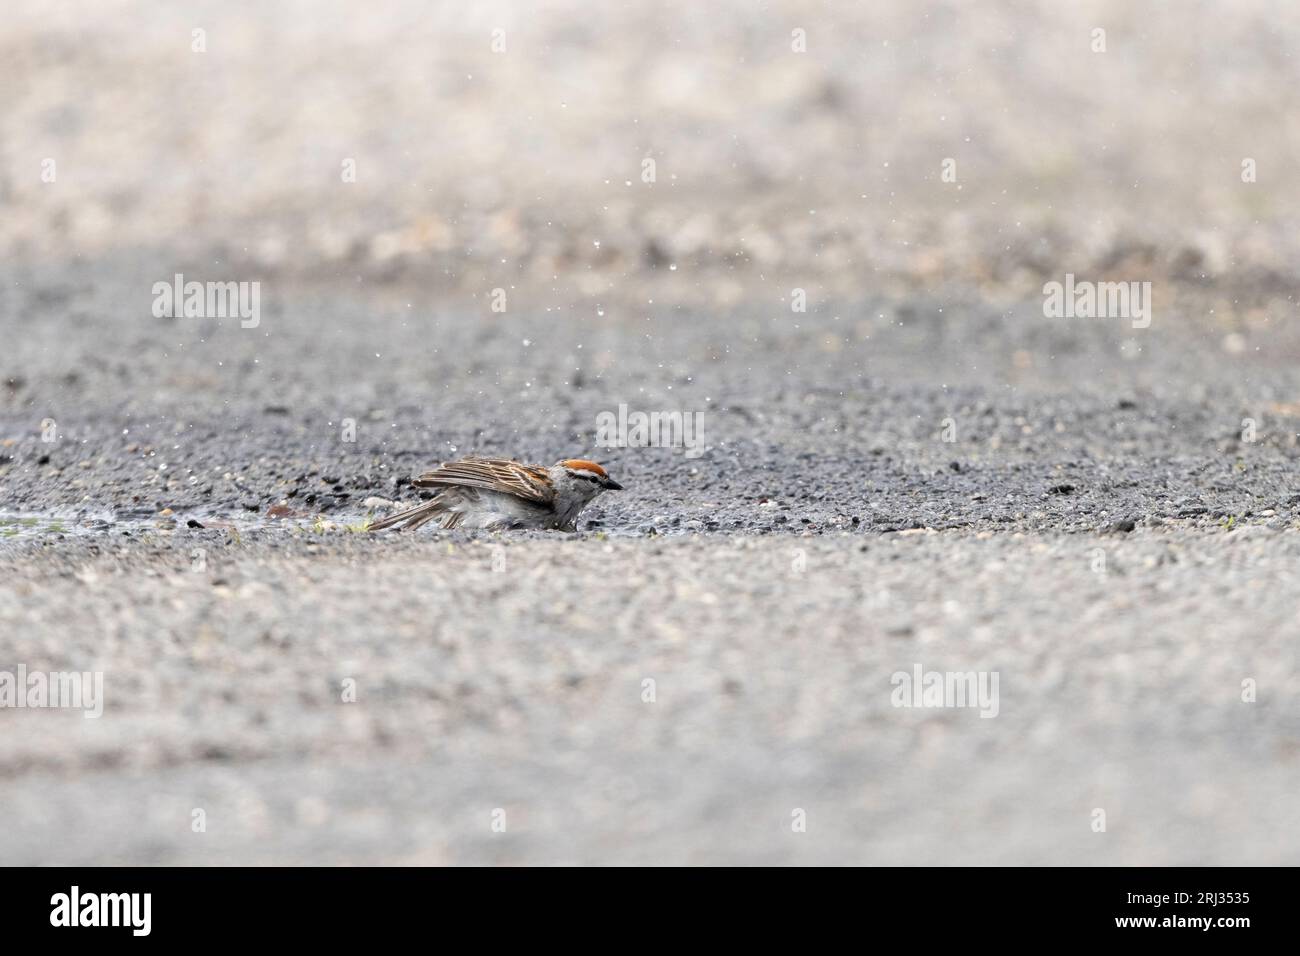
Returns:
<point x="17" y="526"/>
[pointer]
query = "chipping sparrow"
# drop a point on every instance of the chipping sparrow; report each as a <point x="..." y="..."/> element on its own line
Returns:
<point x="496" y="494"/>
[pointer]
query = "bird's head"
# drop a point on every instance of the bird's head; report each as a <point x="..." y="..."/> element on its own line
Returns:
<point x="582" y="471"/>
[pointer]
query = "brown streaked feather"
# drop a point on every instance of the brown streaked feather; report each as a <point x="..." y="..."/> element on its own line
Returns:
<point x="529" y="482"/>
<point x="412" y="517"/>
<point x="430" y="515"/>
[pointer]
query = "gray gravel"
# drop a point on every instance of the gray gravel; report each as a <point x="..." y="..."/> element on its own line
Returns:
<point x="522" y="690"/>
<point x="920" y="470"/>
<point x="1114" y="552"/>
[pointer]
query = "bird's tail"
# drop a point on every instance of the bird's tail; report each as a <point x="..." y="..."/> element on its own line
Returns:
<point x="411" y="517"/>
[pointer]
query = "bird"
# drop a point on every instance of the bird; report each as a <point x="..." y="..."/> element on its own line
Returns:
<point x="500" y="494"/>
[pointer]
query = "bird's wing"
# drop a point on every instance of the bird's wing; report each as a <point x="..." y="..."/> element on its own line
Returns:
<point x="492" y="474"/>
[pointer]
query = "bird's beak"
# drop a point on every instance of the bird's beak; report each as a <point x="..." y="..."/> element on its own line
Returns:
<point x="612" y="485"/>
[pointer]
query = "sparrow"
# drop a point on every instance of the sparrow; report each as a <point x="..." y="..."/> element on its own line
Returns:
<point x="497" y="494"/>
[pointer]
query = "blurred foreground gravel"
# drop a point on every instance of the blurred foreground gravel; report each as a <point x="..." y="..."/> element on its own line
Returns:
<point x="523" y="690"/>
